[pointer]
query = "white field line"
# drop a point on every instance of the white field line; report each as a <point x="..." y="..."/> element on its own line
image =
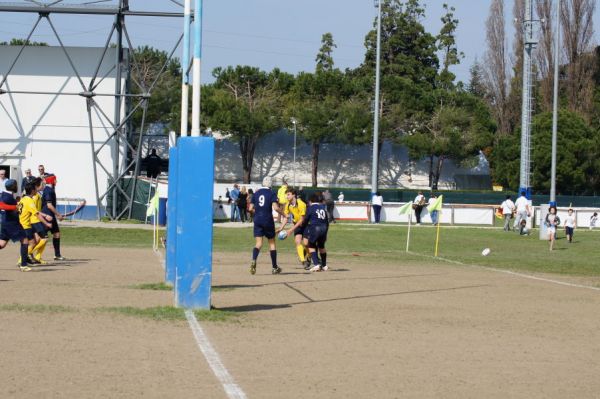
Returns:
<point x="232" y="390"/>
<point x="523" y="275"/>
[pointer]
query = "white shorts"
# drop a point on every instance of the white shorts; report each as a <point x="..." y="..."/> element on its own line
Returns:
<point x="551" y="230"/>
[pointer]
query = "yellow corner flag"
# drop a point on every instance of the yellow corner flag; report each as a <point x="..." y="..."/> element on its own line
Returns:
<point x="437" y="204"/>
<point x="406" y="208"/>
<point x="153" y="205"/>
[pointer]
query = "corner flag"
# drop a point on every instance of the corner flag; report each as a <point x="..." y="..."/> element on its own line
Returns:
<point x="437" y="204"/>
<point x="153" y="205"/>
<point x="406" y="208"/>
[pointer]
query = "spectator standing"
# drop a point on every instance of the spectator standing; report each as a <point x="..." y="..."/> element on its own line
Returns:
<point x="523" y="209"/>
<point x="228" y="195"/>
<point x="377" y="202"/>
<point x="341" y="197"/>
<point x="433" y="214"/>
<point x="153" y="162"/>
<point x="570" y="224"/>
<point x="418" y="205"/>
<point x="42" y="171"/>
<point x="250" y="196"/>
<point x="328" y="200"/>
<point x="593" y="220"/>
<point x="234" y="195"/>
<point x="508" y="208"/>
<point x="243" y="204"/>
<point x="3" y="180"/>
<point x="27" y="179"/>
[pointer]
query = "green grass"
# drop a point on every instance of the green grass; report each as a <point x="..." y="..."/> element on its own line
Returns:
<point x="388" y="243"/>
<point x="153" y="287"/>
<point x="102" y="237"/>
<point x="170" y="313"/>
<point x="19" y="307"/>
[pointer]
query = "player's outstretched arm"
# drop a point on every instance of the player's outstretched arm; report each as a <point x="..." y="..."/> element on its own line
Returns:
<point x="6" y="207"/>
<point x="55" y="212"/>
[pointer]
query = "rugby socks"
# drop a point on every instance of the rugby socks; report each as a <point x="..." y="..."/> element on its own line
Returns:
<point x="274" y="258"/>
<point x="300" y="250"/>
<point x="315" y="258"/>
<point x="255" y="252"/>
<point x="56" y="244"/>
<point x="323" y="258"/>
<point x="24" y="248"/>
<point x="39" y="249"/>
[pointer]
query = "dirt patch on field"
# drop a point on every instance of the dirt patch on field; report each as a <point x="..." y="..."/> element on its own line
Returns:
<point x="364" y="329"/>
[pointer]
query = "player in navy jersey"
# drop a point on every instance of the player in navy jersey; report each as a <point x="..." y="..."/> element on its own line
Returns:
<point x="264" y="202"/>
<point x="315" y="235"/>
<point x="11" y="228"/>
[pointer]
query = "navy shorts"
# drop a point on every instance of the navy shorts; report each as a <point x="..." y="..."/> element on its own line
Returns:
<point x="569" y="230"/>
<point x="267" y="230"/>
<point x="29" y="233"/>
<point x="299" y="230"/>
<point x="12" y="231"/>
<point x="317" y="236"/>
<point x="54" y="228"/>
<point x="40" y="229"/>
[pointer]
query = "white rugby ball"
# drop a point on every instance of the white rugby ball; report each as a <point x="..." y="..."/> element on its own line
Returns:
<point x="486" y="252"/>
<point x="282" y="235"/>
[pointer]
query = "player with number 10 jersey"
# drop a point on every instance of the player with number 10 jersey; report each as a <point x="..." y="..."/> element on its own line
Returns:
<point x="317" y="226"/>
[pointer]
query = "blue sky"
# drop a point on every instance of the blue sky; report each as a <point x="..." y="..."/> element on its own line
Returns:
<point x="264" y="33"/>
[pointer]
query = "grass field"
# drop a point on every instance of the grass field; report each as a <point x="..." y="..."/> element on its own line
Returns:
<point x="388" y="242"/>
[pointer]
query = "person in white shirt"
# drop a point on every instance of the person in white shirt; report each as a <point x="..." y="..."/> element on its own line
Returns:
<point x="523" y="209"/>
<point x="508" y="208"/>
<point x="377" y="202"/>
<point x="570" y="224"/>
<point x="418" y="205"/>
<point x="433" y="214"/>
<point x="2" y="180"/>
<point x="593" y="220"/>
<point x="341" y="197"/>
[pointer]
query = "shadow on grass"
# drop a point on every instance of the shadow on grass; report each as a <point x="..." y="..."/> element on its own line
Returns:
<point x="254" y="308"/>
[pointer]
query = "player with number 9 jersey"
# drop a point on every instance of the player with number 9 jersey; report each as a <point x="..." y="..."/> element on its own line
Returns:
<point x="264" y="202"/>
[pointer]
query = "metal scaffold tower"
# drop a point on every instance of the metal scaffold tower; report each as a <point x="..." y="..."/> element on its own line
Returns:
<point x="120" y="135"/>
<point x="530" y="42"/>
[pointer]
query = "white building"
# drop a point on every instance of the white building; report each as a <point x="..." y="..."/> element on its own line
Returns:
<point x="53" y="129"/>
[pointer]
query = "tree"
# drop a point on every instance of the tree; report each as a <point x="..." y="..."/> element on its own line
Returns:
<point x="578" y="30"/>
<point x="20" y="42"/>
<point x="476" y="84"/>
<point x="496" y="69"/>
<point x="245" y="103"/>
<point x="447" y="45"/>
<point x="325" y="56"/>
<point x="150" y="65"/>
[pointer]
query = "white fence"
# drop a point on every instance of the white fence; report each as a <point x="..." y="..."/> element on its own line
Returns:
<point x="452" y="214"/>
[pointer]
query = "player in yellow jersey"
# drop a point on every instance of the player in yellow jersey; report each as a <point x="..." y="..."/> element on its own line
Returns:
<point x="32" y="219"/>
<point x="297" y="209"/>
<point x="282" y="198"/>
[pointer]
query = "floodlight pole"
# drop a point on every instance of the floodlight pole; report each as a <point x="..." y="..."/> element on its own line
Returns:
<point x="185" y="88"/>
<point x="119" y="22"/>
<point x="375" y="166"/>
<point x="196" y="68"/>
<point x="555" y="107"/>
<point x="529" y="44"/>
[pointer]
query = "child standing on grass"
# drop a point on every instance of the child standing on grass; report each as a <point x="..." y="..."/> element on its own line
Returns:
<point x="552" y="220"/>
<point x="570" y="225"/>
<point x="593" y="220"/>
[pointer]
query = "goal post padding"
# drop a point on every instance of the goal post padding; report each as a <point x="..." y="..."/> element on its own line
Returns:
<point x="171" y="249"/>
<point x="194" y="222"/>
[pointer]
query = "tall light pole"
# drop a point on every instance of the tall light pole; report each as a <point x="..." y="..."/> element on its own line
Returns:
<point x="376" y="104"/>
<point x="555" y="107"/>
<point x="294" y="122"/>
<point x="529" y="42"/>
<point x="184" y="65"/>
<point x="196" y="68"/>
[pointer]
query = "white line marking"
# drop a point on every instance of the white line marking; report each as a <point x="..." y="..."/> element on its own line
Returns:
<point x="232" y="390"/>
<point x="528" y="276"/>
